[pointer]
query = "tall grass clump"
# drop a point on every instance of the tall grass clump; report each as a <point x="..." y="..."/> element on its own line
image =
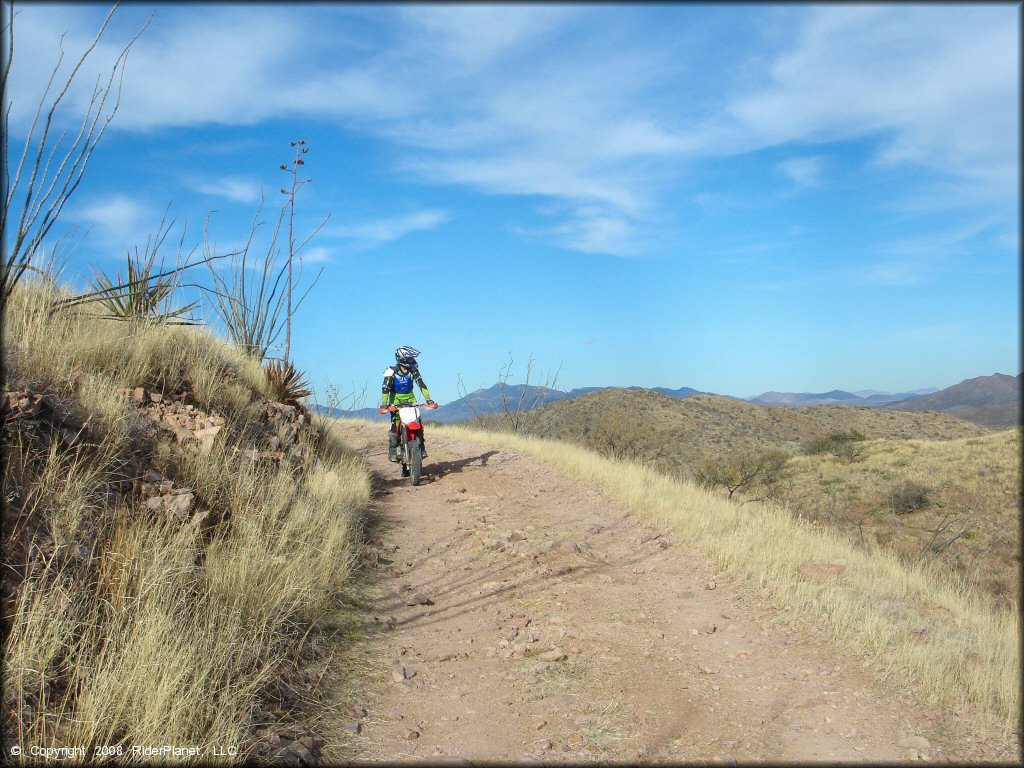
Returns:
<point x="128" y="625"/>
<point x="969" y="657"/>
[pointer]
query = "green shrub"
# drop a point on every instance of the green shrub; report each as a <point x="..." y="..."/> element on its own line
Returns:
<point x="845" y="446"/>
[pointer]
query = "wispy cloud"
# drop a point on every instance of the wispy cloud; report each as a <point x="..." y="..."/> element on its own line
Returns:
<point x="236" y="189"/>
<point x="934" y="79"/>
<point x="803" y="171"/>
<point x="117" y="222"/>
<point x="317" y="255"/>
<point x="573" y="105"/>
<point x="386" y="230"/>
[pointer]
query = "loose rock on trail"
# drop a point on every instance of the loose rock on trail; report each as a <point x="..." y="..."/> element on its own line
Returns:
<point x="520" y="616"/>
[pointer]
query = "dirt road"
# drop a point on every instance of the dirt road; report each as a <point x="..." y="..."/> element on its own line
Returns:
<point x="523" y="617"/>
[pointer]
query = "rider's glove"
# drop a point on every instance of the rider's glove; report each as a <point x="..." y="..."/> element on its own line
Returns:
<point x="431" y="403"/>
<point x="382" y="409"/>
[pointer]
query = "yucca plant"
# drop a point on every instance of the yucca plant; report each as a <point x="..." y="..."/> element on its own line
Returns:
<point x="284" y="383"/>
<point x="141" y="296"/>
<point x="145" y="295"/>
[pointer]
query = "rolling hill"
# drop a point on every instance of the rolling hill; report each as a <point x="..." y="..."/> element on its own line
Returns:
<point x="990" y="400"/>
<point x="676" y="434"/>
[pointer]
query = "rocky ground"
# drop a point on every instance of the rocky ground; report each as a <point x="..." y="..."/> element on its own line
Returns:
<point x="519" y="616"/>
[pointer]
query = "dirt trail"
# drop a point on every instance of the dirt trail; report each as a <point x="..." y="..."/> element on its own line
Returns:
<point x="524" y="617"/>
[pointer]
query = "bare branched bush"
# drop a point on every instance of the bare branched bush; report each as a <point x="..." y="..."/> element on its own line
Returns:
<point x="618" y="438"/>
<point x="743" y="471"/>
<point x="519" y="403"/>
<point x="49" y="170"/>
<point x="248" y="297"/>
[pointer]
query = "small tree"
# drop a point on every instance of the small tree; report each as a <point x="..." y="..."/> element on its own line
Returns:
<point x="742" y="471"/>
<point x="618" y="437"/>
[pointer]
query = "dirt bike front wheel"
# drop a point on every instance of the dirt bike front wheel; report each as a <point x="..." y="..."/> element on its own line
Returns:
<point x="415" y="461"/>
<point x="403" y="455"/>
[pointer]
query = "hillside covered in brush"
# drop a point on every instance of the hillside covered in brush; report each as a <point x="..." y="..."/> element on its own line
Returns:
<point x="928" y="486"/>
<point x="676" y="434"/>
<point x="174" y="535"/>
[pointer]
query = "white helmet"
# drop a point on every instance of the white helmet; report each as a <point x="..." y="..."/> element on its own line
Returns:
<point x="406" y="356"/>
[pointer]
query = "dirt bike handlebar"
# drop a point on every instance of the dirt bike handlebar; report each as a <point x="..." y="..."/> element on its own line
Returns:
<point x="393" y="408"/>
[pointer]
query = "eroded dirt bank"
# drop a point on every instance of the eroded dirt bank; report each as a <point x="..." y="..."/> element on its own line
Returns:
<point x="522" y="617"/>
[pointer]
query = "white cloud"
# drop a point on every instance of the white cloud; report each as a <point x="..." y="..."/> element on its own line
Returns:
<point x="572" y="104"/>
<point x="804" y="171"/>
<point x="236" y="189"/>
<point x="477" y="36"/>
<point x="386" y="230"/>
<point x="1009" y="240"/>
<point x="115" y="213"/>
<point x="318" y="255"/>
<point x="936" y="79"/>
<point x="117" y="223"/>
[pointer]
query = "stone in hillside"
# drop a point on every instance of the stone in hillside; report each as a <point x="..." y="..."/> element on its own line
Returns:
<point x="179" y="504"/>
<point x="553" y="655"/>
<point x="139" y="395"/>
<point x="567" y="547"/>
<point x="206" y="437"/>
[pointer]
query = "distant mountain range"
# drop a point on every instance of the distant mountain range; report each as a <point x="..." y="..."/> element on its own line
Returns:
<point x="874" y="398"/>
<point x="993" y="401"/>
<point x="990" y="400"/>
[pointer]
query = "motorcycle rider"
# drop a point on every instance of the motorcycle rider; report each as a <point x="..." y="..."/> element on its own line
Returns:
<point x="398" y="390"/>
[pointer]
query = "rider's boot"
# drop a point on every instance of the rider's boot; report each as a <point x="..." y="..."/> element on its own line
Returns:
<point x="393" y="447"/>
<point x="423" y="446"/>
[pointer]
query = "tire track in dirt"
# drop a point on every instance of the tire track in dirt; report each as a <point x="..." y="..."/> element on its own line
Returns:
<point x="520" y="616"/>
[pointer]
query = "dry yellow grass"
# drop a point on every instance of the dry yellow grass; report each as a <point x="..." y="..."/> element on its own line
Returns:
<point x="968" y="528"/>
<point x="967" y="657"/>
<point x="128" y="628"/>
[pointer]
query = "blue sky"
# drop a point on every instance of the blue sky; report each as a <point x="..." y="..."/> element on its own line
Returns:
<point x="735" y="198"/>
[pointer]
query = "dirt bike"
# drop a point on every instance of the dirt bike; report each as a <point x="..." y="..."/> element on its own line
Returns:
<point x="410" y="439"/>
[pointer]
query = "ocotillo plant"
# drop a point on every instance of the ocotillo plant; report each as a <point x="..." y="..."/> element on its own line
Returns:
<point x="293" y="167"/>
